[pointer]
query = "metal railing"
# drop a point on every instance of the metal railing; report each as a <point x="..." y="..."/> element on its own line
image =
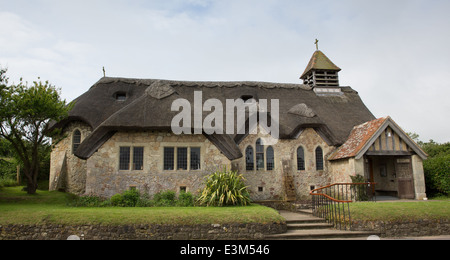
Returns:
<point x="332" y="202"/>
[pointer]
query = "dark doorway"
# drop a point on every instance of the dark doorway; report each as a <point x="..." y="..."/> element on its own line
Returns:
<point x="393" y="175"/>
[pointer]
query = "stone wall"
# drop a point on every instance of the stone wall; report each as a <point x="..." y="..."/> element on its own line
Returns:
<point x="68" y="172"/>
<point x="142" y="232"/>
<point x="100" y="174"/>
<point x="271" y="182"/>
<point x="105" y="179"/>
<point x="404" y="228"/>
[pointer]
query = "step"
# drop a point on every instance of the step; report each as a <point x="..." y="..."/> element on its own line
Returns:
<point x="319" y="234"/>
<point x="311" y="220"/>
<point x="293" y="217"/>
<point x="309" y="226"/>
<point x="305" y="211"/>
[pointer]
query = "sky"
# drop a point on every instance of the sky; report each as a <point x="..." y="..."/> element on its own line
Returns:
<point x="394" y="53"/>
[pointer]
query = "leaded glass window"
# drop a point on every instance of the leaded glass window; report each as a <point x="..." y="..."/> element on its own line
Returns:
<point x="319" y="159"/>
<point x="138" y="158"/>
<point x="182" y="159"/>
<point x="249" y="160"/>
<point x="76" y="140"/>
<point x="195" y="159"/>
<point x="124" y="158"/>
<point x="169" y="157"/>
<point x="300" y="159"/>
<point x="270" y="158"/>
<point x="259" y="155"/>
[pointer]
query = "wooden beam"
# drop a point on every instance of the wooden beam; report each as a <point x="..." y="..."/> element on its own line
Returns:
<point x="388" y="153"/>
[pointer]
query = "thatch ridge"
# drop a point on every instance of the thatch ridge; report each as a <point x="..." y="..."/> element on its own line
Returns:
<point x="147" y="109"/>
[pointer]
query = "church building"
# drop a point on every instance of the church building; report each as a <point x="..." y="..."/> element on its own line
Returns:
<point x="119" y="136"/>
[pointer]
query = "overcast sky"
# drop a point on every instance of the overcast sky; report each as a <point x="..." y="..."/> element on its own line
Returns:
<point x="396" y="54"/>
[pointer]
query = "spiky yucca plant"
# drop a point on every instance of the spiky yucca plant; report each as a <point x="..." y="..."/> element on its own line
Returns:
<point x="224" y="188"/>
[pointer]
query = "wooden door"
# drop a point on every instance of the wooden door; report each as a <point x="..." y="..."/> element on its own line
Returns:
<point x="403" y="169"/>
<point x="406" y="188"/>
<point x="371" y="178"/>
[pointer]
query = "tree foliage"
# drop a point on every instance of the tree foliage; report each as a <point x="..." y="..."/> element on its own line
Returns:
<point x="26" y="113"/>
<point x="436" y="167"/>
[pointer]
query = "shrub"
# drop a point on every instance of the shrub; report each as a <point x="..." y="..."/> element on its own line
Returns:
<point x="7" y="182"/>
<point x="437" y="175"/>
<point x="86" y="201"/>
<point x="165" y="199"/>
<point x="145" y="201"/>
<point x="224" y="188"/>
<point x="130" y="198"/>
<point x="185" y="199"/>
<point x="359" y="191"/>
<point x="117" y="200"/>
<point x="8" y="173"/>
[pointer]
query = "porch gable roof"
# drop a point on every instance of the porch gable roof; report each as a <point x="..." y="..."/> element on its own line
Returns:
<point x="364" y="136"/>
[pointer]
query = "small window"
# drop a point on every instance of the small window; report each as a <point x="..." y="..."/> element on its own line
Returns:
<point x="182" y="160"/>
<point x="319" y="159"/>
<point x="300" y="159"/>
<point x="169" y="157"/>
<point x="249" y="161"/>
<point x="195" y="159"/>
<point x="259" y="155"/>
<point x="383" y="170"/>
<point x="120" y="96"/>
<point x="246" y="97"/>
<point x="124" y="160"/>
<point x="76" y="140"/>
<point x="183" y="189"/>
<point x="260" y="189"/>
<point x="270" y="159"/>
<point x="138" y="158"/>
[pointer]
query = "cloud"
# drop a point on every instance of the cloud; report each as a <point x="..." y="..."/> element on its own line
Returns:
<point x="30" y="52"/>
<point x="394" y="53"/>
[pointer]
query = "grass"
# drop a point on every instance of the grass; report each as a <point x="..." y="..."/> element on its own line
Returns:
<point x="17" y="207"/>
<point x="394" y="211"/>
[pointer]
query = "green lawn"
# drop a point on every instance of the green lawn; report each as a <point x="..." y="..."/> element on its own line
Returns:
<point x="16" y="207"/>
<point x="401" y="210"/>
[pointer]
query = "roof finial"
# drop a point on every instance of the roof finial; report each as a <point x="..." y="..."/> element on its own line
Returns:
<point x="104" y="72"/>
<point x="317" y="44"/>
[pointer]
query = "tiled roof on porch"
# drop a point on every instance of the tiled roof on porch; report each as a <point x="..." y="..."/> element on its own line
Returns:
<point x="363" y="137"/>
<point x="359" y="137"/>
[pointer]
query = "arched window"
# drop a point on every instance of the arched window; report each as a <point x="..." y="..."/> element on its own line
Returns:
<point x="259" y="155"/>
<point x="249" y="161"/>
<point x="76" y="140"/>
<point x="300" y="159"/>
<point x="319" y="159"/>
<point x="270" y="159"/>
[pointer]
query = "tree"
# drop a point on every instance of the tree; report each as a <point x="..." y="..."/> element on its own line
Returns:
<point x="436" y="167"/>
<point x="25" y="114"/>
<point x="437" y="174"/>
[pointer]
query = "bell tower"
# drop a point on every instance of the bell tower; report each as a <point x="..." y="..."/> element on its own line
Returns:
<point x="321" y="73"/>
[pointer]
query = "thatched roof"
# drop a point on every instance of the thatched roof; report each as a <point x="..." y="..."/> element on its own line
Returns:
<point x="148" y="107"/>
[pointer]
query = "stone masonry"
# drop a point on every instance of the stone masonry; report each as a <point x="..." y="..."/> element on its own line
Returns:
<point x="100" y="174"/>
